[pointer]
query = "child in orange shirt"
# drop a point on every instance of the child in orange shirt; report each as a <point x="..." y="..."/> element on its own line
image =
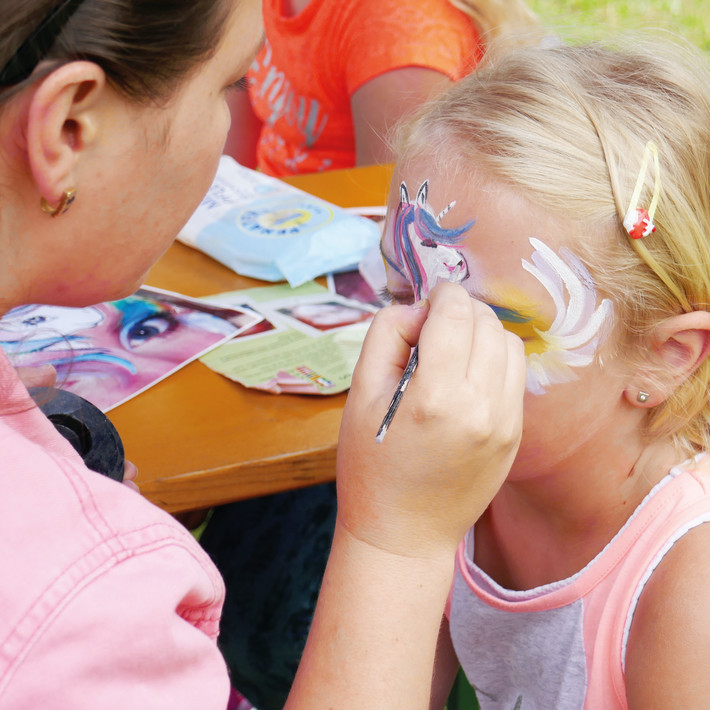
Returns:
<point x="334" y="76"/>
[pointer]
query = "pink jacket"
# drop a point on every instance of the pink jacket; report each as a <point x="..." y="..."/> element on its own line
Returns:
<point x="107" y="602"/>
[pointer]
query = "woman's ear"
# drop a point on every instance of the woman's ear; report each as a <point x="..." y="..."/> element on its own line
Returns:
<point x="680" y="345"/>
<point x="61" y="123"/>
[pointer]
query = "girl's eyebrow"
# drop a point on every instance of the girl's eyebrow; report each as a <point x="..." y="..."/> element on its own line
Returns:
<point x="383" y="252"/>
<point x="390" y="261"/>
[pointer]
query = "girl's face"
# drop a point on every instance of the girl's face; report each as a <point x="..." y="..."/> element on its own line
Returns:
<point x="149" y="171"/>
<point x="520" y="261"/>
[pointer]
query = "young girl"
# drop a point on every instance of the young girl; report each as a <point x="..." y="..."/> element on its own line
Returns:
<point x="569" y="189"/>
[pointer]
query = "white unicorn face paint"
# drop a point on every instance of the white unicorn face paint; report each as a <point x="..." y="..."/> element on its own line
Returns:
<point x="420" y="252"/>
<point x="579" y="326"/>
<point x="425" y="252"/>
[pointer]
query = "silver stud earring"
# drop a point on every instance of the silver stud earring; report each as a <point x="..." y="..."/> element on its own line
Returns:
<point x="642" y="397"/>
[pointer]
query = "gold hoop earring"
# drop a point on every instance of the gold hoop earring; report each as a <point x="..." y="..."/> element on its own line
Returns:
<point x="67" y="198"/>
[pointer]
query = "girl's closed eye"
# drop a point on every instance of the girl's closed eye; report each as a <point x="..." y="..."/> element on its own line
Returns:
<point x="395" y="297"/>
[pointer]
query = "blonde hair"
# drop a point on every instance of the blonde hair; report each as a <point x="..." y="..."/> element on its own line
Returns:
<point x="567" y="127"/>
<point x="496" y="19"/>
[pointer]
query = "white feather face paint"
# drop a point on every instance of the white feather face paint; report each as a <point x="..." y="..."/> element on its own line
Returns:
<point x="579" y="327"/>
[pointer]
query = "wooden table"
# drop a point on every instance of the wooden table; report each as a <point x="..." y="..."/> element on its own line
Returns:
<point x="200" y="439"/>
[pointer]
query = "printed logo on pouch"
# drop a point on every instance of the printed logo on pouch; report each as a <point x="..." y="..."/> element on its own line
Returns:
<point x="279" y="217"/>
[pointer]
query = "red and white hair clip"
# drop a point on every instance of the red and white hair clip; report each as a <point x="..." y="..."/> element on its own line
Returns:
<point x="638" y="221"/>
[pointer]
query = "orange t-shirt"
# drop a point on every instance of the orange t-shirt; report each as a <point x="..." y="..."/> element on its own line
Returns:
<point x="311" y="63"/>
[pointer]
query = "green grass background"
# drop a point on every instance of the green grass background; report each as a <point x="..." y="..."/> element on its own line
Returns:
<point x="591" y="19"/>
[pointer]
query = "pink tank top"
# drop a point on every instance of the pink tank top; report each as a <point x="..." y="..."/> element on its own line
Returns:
<point x="563" y="645"/>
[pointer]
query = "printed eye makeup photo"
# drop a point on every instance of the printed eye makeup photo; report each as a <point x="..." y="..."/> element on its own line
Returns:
<point x="110" y="352"/>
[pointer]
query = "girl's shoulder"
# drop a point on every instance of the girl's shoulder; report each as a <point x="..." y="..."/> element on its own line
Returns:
<point x="700" y="464"/>
<point x="670" y="632"/>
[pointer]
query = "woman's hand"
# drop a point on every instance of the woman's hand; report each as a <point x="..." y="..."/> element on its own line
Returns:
<point x="455" y="434"/>
<point x="404" y="504"/>
<point x="40" y="376"/>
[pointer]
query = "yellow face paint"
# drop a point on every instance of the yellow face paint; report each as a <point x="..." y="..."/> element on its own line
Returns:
<point x="521" y="317"/>
<point x="529" y="333"/>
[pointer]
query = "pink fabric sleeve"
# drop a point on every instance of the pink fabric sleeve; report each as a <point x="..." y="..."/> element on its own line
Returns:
<point x="120" y="641"/>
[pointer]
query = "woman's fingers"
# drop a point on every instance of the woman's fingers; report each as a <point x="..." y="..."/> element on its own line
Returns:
<point x="454" y="436"/>
<point x="386" y="350"/>
<point x="446" y="338"/>
<point x="130" y="473"/>
<point x="40" y="376"/>
<point x="465" y="354"/>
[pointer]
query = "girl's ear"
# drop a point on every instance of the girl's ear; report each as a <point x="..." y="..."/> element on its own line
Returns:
<point x="61" y="123"/>
<point x="680" y="345"/>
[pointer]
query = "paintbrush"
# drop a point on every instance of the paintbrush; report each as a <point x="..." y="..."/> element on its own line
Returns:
<point x="406" y="377"/>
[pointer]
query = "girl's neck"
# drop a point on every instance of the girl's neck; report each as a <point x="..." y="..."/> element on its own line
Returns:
<point x="546" y="529"/>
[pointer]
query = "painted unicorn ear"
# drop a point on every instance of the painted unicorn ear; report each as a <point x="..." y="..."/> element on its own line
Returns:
<point x="403" y="194"/>
<point x="423" y="194"/>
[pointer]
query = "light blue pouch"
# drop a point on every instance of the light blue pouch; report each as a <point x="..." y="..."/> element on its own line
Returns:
<point x="264" y="228"/>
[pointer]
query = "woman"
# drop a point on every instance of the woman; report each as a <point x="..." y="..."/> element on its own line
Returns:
<point x="113" y="117"/>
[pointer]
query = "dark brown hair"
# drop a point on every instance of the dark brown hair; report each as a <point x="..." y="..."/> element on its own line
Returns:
<point x="145" y="46"/>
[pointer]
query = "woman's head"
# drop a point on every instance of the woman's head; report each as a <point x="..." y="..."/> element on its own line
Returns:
<point x="145" y="48"/>
<point x="567" y="128"/>
<point x="127" y="106"/>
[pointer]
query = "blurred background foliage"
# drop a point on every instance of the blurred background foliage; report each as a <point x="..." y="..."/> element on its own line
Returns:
<point x="591" y="19"/>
